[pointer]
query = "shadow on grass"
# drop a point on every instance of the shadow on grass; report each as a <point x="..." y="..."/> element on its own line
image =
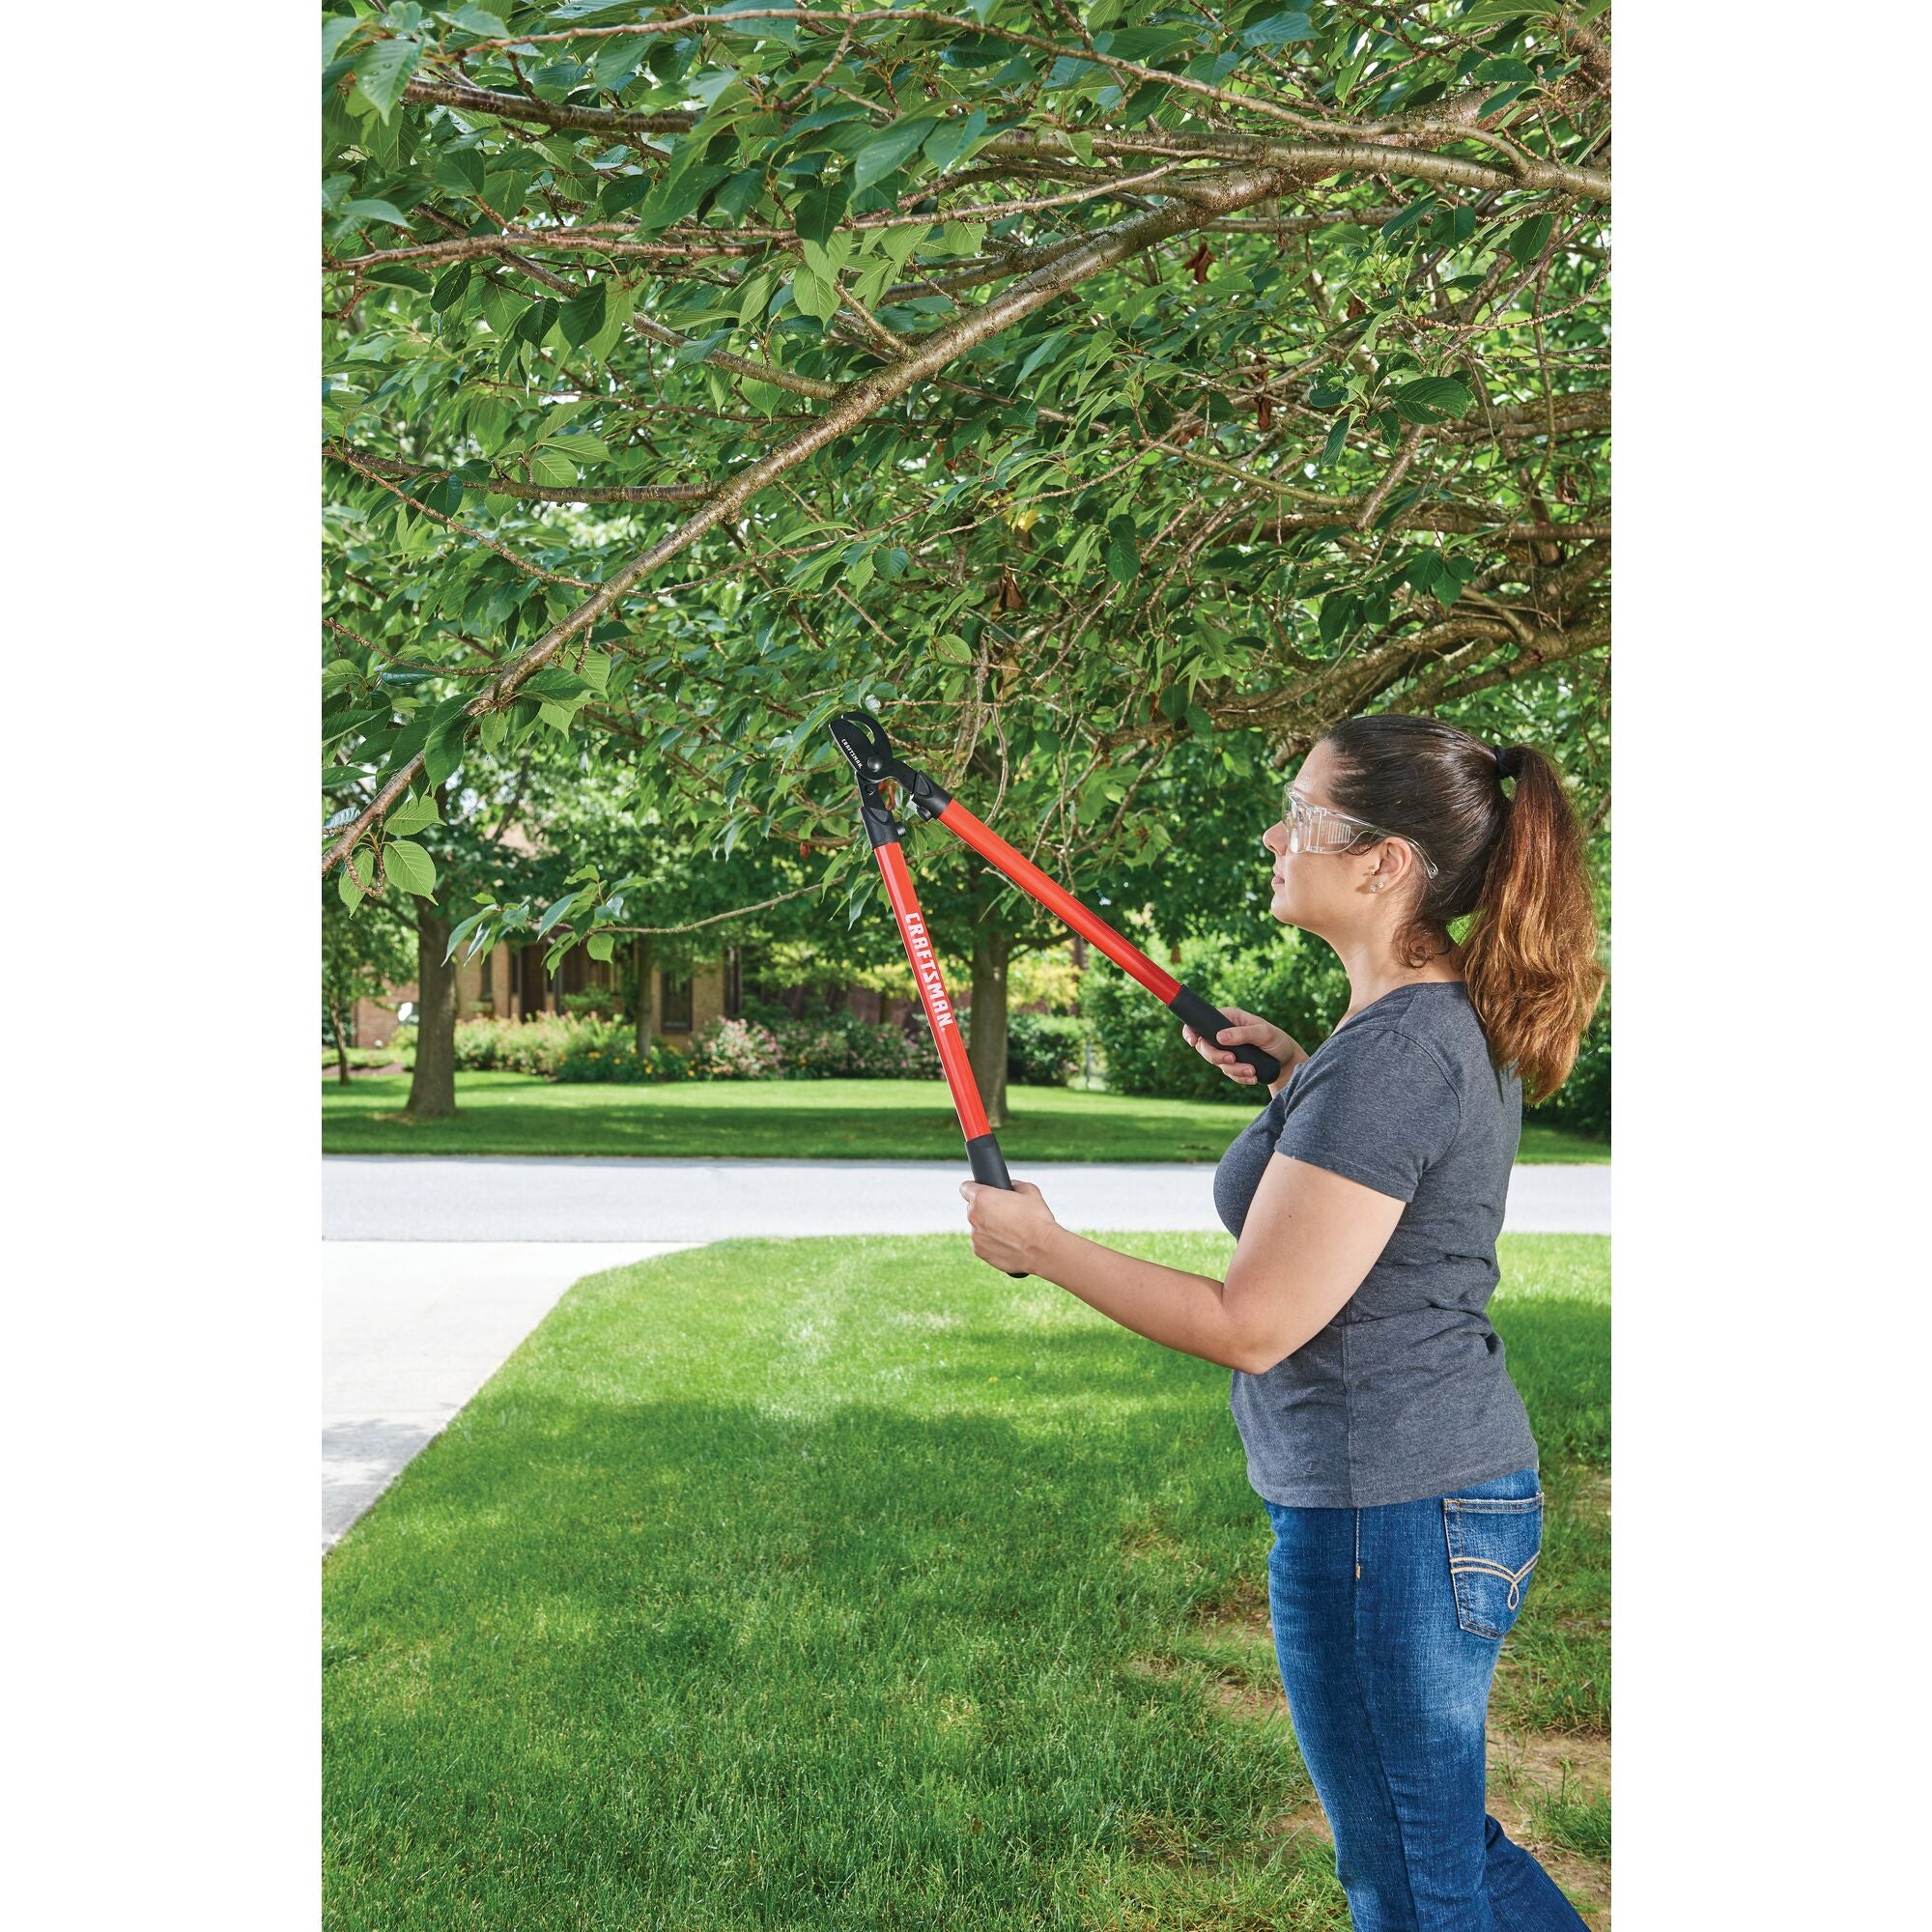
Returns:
<point x="791" y="1654"/>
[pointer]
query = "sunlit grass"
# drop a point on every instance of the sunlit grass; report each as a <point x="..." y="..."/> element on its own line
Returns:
<point x="872" y="1119"/>
<point x="829" y="1583"/>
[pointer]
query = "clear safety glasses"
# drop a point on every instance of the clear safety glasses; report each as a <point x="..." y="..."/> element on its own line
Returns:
<point x="1314" y="828"/>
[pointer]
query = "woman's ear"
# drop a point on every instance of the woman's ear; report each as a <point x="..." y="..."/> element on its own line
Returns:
<point x="1393" y="860"/>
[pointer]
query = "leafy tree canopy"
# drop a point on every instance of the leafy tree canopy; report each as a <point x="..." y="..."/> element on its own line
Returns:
<point x="1114" y="396"/>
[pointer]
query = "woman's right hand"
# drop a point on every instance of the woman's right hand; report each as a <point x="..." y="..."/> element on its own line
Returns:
<point x="1248" y="1030"/>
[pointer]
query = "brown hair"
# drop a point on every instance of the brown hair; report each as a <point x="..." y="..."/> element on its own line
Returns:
<point x="1515" y="862"/>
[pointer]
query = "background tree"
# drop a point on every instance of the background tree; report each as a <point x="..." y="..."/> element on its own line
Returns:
<point x="361" y="958"/>
<point x="1074" y="388"/>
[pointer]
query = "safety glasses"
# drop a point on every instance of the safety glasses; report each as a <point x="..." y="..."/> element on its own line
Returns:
<point x="1314" y="828"/>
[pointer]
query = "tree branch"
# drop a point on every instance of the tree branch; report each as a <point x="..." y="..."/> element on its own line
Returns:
<point x="1103" y="249"/>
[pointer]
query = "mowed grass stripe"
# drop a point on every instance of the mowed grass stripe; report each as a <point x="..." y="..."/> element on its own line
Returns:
<point x="834" y="1582"/>
<point x="810" y="1120"/>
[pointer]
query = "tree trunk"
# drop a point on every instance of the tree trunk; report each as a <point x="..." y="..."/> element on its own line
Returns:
<point x="640" y="950"/>
<point x="433" y="1086"/>
<point x="341" y="1043"/>
<point x="986" y="1043"/>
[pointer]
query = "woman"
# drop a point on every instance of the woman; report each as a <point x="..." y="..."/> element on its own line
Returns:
<point x="1382" y="1430"/>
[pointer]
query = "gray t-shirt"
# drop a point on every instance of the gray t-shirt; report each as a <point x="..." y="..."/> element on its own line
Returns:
<point x="1403" y="1394"/>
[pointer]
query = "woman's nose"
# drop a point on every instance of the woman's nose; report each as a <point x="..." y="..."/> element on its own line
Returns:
<point x="1272" y="840"/>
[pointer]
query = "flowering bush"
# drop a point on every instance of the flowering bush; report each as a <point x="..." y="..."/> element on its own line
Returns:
<point x="842" y="1046"/>
<point x="736" y="1050"/>
<point x="606" y="1050"/>
<point x="827" y="1046"/>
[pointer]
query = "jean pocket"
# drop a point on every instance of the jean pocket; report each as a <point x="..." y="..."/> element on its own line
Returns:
<point x="1494" y="1543"/>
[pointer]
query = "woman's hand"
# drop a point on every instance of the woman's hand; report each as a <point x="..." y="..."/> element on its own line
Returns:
<point x="1249" y="1030"/>
<point x="1011" y="1227"/>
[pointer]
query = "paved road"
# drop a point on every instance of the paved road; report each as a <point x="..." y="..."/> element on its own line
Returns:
<point x="410" y="1333"/>
<point x="418" y="1198"/>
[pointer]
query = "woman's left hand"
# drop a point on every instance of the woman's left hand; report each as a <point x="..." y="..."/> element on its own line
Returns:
<point x="1011" y="1227"/>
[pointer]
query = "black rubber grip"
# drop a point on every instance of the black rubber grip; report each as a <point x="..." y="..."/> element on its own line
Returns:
<point x="1208" y="1021"/>
<point x="989" y="1164"/>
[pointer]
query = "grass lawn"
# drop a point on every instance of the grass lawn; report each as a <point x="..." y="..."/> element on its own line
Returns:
<point x="841" y="1583"/>
<point x="873" y="1119"/>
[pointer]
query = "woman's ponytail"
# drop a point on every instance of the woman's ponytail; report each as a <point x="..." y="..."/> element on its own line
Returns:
<point x="1530" y="955"/>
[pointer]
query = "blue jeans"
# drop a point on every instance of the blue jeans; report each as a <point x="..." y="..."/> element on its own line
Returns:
<point x="1387" y="1623"/>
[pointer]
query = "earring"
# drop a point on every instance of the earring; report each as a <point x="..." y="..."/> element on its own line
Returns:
<point x="1376" y="887"/>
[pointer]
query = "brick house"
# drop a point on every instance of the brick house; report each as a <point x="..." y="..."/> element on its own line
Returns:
<point x="509" y="983"/>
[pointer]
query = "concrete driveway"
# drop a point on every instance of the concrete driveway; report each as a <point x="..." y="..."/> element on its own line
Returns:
<point x="410" y="1331"/>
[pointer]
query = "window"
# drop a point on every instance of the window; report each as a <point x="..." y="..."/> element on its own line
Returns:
<point x="673" y="1003"/>
<point x="734" y="983"/>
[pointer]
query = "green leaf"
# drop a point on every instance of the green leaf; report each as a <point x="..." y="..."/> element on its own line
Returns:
<point x="1527" y="240"/>
<point x="357" y="874"/>
<point x="460" y="170"/>
<point x="813" y="296"/>
<point x="1280" y="31"/>
<point x="378" y="211"/>
<point x="826" y="258"/>
<point x="1417" y="210"/>
<point x="535" y="321"/>
<point x="407" y="865"/>
<point x="383" y="71"/>
<point x="1124" y="553"/>
<point x="698" y="349"/>
<point x="444" y="750"/>
<point x="819" y="211"/>
<point x="752" y="301"/>
<point x="582" y="316"/>
<point x="553" y="469"/>
<point x="398" y="276"/>
<point x="334" y="31"/>
<point x="953" y="141"/>
<point x="617" y="59"/>
<point x="460" y="930"/>
<point x="557" y="909"/>
<point x="1338" y="435"/>
<point x="451" y="289"/>
<point x="1432" y="399"/>
<point x="889" y="149"/>
<point x="738" y="197"/>
<point x="601" y="945"/>
<point x="416" y="812"/>
<point x="962" y="238"/>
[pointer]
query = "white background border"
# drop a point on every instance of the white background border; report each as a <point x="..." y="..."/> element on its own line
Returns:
<point x="1771" y="829"/>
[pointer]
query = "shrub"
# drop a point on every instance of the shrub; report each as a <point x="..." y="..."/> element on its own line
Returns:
<point x="606" y="1051"/>
<point x="736" y="1050"/>
<point x="532" y="1047"/>
<point x="1295" y="981"/>
<point x="1299" y="984"/>
<point x="1043" y="1049"/>
<point x="842" y="1046"/>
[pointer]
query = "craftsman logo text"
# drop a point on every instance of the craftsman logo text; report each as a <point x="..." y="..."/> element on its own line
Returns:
<point x="939" y="1009"/>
